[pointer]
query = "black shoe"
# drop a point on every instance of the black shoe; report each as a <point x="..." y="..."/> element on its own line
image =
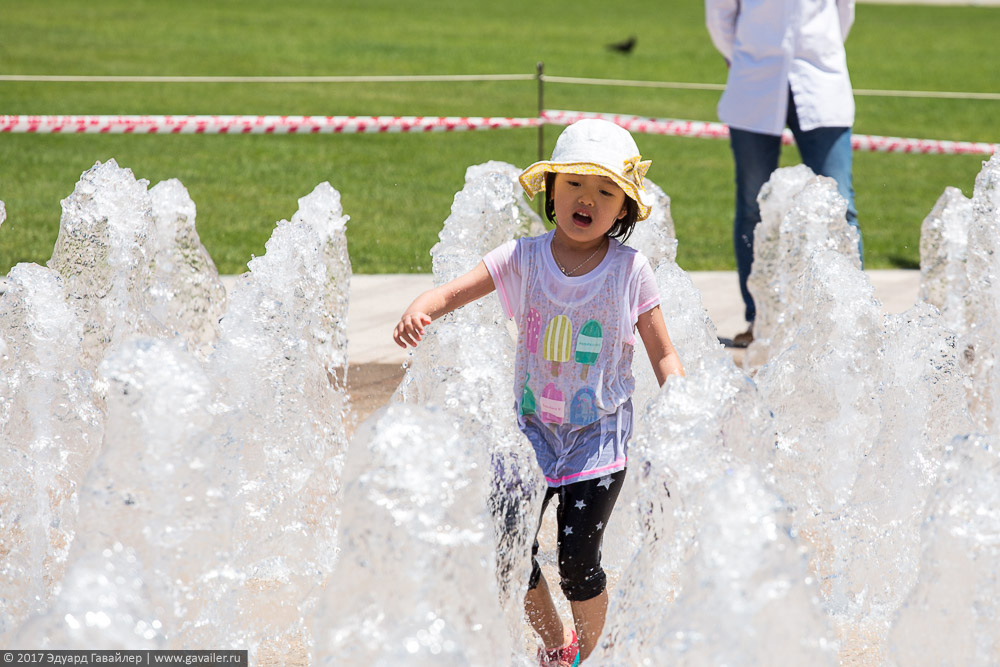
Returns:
<point x="744" y="339"/>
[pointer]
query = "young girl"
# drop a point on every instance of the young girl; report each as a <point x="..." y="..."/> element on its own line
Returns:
<point x="578" y="296"/>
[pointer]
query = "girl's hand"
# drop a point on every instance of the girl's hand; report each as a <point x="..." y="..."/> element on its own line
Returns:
<point x="436" y="302"/>
<point x="410" y="329"/>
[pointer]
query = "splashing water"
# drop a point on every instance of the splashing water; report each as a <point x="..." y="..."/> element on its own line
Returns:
<point x="188" y="297"/>
<point x="208" y="517"/>
<point x="958" y="584"/>
<point x="414" y="596"/>
<point x="175" y="470"/>
<point x="944" y="244"/>
<point x="51" y="430"/>
<point x="800" y="213"/>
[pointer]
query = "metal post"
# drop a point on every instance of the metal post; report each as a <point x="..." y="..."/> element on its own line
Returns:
<point x="541" y="130"/>
<point x="541" y="107"/>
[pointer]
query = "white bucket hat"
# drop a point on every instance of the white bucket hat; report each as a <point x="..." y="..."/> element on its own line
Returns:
<point x="594" y="146"/>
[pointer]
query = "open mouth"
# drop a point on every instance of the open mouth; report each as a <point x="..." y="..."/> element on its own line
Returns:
<point x="582" y="218"/>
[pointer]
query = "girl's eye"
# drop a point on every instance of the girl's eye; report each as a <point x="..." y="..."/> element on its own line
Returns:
<point x="606" y="193"/>
<point x="573" y="183"/>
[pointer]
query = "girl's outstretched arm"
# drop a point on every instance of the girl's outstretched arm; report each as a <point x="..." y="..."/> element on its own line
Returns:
<point x="662" y="355"/>
<point x="439" y="301"/>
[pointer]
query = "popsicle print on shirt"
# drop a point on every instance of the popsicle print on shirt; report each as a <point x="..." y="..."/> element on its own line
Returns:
<point x="558" y="341"/>
<point x="583" y="408"/>
<point x="588" y="345"/>
<point x="527" y="398"/>
<point x="532" y="330"/>
<point x="552" y="406"/>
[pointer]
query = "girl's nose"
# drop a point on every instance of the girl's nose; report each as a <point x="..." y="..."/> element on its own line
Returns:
<point x="586" y="198"/>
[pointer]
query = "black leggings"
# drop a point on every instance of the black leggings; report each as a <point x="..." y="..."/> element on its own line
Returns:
<point x="582" y="516"/>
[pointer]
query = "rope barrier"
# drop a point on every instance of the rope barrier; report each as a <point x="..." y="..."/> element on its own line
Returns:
<point x="442" y="78"/>
<point x="633" y="84"/>
<point x="680" y="85"/>
<point x="392" y="124"/>
<point x="416" y="78"/>
<point x="933" y="94"/>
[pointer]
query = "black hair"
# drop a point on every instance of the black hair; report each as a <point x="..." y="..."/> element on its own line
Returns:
<point x="621" y="230"/>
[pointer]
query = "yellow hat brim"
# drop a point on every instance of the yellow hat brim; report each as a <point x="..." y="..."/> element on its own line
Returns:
<point x="533" y="180"/>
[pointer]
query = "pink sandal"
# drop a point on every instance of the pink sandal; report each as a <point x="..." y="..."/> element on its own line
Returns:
<point x="564" y="656"/>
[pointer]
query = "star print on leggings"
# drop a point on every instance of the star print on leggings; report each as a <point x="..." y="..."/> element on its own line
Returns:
<point x="605" y="482"/>
<point x="568" y="530"/>
<point x="580" y="504"/>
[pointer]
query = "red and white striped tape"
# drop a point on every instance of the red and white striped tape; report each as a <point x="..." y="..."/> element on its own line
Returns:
<point x="252" y="124"/>
<point x="867" y="142"/>
<point x="379" y="124"/>
<point x="694" y="128"/>
<point x="676" y="128"/>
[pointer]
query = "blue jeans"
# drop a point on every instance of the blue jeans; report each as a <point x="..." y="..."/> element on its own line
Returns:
<point x="825" y="150"/>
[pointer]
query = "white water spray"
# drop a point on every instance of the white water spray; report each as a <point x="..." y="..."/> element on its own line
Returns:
<point x="171" y="480"/>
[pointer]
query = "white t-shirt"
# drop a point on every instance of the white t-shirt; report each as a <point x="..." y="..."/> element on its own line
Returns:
<point x="774" y="44"/>
<point x="575" y="334"/>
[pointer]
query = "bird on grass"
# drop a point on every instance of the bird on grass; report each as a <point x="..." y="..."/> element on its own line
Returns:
<point x="624" y="46"/>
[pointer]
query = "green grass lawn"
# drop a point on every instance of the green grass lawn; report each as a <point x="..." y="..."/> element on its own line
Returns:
<point x="398" y="188"/>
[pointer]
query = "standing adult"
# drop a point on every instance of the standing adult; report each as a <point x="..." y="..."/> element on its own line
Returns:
<point x="787" y="66"/>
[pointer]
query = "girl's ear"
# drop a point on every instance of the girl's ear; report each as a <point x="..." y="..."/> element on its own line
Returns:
<point x="624" y="210"/>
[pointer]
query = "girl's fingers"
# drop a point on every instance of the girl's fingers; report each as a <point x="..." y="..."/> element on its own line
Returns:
<point x="415" y="326"/>
<point x="407" y="334"/>
<point x="400" y="335"/>
<point x="410" y="330"/>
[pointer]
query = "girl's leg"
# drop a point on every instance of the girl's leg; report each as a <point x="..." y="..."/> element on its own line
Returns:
<point x="583" y="514"/>
<point x="543" y="616"/>
<point x="538" y="604"/>
<point x="588" y="617"/>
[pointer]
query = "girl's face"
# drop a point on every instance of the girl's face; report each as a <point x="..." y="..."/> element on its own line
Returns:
<point x="587" y="205"/>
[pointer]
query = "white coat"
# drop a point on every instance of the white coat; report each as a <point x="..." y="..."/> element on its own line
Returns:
<point x="774" y="44"/>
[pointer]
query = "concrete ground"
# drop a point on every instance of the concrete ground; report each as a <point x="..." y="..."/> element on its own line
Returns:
<point x="377" y="301"/>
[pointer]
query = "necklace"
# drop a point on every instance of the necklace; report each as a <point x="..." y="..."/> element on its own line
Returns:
<point x="577" y="268"/>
